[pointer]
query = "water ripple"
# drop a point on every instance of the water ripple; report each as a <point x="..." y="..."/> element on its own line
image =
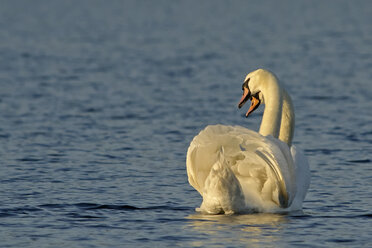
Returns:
<point x="99" y="101"/>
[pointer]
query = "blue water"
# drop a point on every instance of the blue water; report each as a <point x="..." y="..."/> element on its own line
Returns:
<point x="100" y="99"/>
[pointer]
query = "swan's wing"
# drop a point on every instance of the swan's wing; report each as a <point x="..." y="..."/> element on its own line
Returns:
<point x="302" y="176"/>
<point x="262" y="165"/>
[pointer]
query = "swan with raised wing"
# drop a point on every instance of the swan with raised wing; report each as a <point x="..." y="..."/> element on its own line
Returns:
<point x="238" y="170"/>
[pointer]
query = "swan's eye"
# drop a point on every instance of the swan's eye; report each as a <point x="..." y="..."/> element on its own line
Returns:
<point x="245" y="84"/>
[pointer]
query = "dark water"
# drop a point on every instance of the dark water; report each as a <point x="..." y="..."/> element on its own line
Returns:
<point x="100" y="99"/>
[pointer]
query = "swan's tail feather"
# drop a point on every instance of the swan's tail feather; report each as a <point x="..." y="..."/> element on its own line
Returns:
<point x="222" y="192"/>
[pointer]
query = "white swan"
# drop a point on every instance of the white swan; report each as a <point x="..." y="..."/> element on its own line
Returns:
<point x="238" y="170"/>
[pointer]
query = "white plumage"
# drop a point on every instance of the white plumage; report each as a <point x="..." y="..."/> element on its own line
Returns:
<point x="238" y="170"/>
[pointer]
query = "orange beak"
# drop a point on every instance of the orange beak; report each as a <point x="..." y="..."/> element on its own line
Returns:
<point x="255" y="102"/>
<point x="245" y="97"/>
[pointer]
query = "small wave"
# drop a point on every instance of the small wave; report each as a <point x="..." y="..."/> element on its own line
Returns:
<point x="366" y="215"/>
<point x="91" y="206"/>
<point x="5" y="214"/>
<point x="70" y="209"/>
<point x="8" y="212"/>
<point x="29" y="159"/>
<point x="53" y="205"/>
<point x="83" y="216"/>
<point x="322" y="150"/>
<point x="94" y="206"/>
<point x="305" y="216"/>
<point x="115" y="207"/>
<point x="360" y="161"/>
<point x="341" y="240"/>
<point x="327" y="97"/>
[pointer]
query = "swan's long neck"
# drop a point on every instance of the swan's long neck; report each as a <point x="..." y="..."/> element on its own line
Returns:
<point x="272" y="96"/>
<point x="278" y="116"/>
<point x="287" y="123"/>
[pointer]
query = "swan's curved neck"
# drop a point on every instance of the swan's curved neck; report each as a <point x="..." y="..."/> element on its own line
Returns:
<point x="272" y="97"/>
<point x="278" y="116"/>
<point x="287" y="123"/>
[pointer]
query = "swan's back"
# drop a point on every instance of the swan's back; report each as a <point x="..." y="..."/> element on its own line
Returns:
<point x="259" y="168"/>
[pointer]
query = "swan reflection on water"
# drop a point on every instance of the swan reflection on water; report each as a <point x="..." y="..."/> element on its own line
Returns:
<point x="253" y="230"/>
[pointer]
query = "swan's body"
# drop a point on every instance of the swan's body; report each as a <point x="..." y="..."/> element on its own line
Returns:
<point x="239" y="170"/>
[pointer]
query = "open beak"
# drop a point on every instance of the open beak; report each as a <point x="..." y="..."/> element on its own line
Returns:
<point x="255" y="102"/>
<point x="245" y="97"/>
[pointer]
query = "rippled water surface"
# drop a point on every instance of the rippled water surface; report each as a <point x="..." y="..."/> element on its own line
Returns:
<point x="100" y="99"/>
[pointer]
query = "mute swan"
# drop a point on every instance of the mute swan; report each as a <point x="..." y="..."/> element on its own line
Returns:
<point x="238" y="170"/>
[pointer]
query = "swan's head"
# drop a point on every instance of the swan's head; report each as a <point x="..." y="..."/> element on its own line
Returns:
<point x="253" y="83"/>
